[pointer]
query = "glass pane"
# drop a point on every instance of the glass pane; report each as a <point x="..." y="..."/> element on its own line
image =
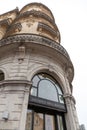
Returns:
<point x="59" y="90"/>
<point x="29" y="120"/>
<point x="47" y="90"/>
<point x="61" y="100"/>
<point x="46" y="76"/>
<point x="60" y="123"/>
<point x="49" y="122"/>
<point x="34" y="91"/>
<point x="35" y="81"/>
<point x="38" y="121"/>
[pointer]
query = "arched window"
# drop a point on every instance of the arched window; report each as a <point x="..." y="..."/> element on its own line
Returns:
<point x="1" y="75"/>
<point x="46" y="87"/>
<point x="46" y="105"/>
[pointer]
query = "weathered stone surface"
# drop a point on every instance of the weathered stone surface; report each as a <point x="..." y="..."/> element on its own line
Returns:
<point x="32" y="45"/>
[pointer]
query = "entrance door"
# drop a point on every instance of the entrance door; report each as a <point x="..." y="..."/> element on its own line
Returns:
<point x="43" y="121"/>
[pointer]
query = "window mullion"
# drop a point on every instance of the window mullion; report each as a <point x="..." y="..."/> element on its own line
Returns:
<point x="32" y="127"/>
<point x="44" y="121"/>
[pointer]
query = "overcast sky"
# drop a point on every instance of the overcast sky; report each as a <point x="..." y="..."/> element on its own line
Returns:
<point x="71" y="19"/>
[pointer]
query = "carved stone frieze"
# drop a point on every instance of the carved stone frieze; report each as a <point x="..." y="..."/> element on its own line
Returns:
<point x="34" y="38"/>
<point x="37" y="39"/>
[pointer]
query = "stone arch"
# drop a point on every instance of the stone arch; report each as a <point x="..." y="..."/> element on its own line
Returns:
<point x="53" y="72"/>
<point x="3" y="70"/>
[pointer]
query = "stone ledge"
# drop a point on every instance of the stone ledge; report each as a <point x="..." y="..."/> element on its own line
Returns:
<point x="15" y="82"/>
<point x="34" y="38"/>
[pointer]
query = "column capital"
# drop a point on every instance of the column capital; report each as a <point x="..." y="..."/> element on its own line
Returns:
<point x="69" y="97"/>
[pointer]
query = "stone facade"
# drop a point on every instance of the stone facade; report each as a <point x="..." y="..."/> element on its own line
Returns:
<point x="30" y="43"/>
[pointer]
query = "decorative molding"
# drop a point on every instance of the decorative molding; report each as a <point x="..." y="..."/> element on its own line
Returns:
<point x="39" y="5"/>
<point x="5" y="22"/>
<point x="48" y="29"/>
<point x="15" y="82"/>
<point x="21" y="53"/>
<point x="70" y="97"/>
<point x="34" y="39"/>
<point x="36" y="14"/>
<point x="37" y="39"/>
<point x="13" y="28"/>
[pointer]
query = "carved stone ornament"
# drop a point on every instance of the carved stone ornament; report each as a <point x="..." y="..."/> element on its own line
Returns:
<point x="36" y="14"/>
<point x="15" y="27"/>
<point x="34" y="38"/>
<point x="69" y="97"/>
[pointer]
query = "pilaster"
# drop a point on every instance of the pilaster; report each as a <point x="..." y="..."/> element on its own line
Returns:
<point x="13" y="104"/>
<point x="71" y="116"/>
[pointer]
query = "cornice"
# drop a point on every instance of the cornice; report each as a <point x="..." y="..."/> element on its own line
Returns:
<point x="25" y="85"/>
<point x="15" y="82"/>
<point x="35" y="38"/>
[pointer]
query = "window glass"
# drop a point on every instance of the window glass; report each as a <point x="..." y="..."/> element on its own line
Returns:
<point x="61" y="100"/>
<point x="35" y="81"/>
<point x="33" y="91"/>
<point x="29" y="120"/>
<point x="49" y="122"/>
<point x="47" y="90"/>
<point x="58" y="88"/>
<point x="46" y="87"/>
<point x="43" y="121"/>
<point x="60" y="122"/>
<point x="38" y="121"/>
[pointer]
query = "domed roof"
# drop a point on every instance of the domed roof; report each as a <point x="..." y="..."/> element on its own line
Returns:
<point x="38" y="7"/>
<point x="35" y="18"/>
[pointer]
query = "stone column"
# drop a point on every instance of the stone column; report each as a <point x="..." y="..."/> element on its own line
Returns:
<point x="71" y="117"/>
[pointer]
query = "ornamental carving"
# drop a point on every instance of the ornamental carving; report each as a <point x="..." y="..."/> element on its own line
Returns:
<point x="5" y="22"/>
<point x="36" y="14"/>
<point x="48" y="28"/>
<point x="35" y="39"/>
<point x="15" y="27"/>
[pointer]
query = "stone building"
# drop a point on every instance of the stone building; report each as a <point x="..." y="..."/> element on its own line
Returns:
<point x="36" y="73"/>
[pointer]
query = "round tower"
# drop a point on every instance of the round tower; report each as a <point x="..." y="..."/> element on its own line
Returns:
<point x="36" y="73"/>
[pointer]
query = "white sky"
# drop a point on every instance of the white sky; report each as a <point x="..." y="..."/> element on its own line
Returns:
<point x="71" y="19"/>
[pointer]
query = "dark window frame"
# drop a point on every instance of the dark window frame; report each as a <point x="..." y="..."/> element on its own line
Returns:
<point x="46" y="106"/>
<point x="50" y="114"/>
<point x="51" y="80"/>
